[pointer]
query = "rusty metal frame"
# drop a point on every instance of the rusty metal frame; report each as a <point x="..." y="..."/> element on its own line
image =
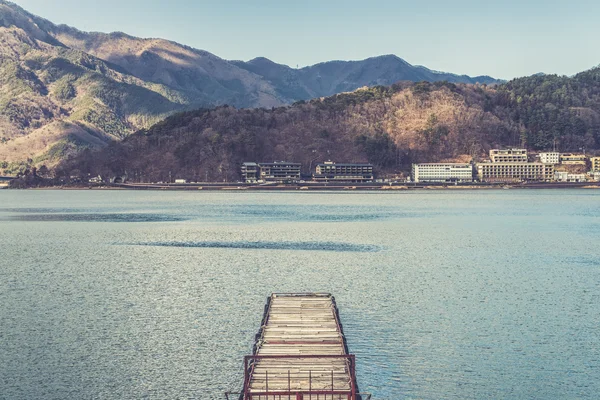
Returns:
<point x="238" y="395"/>
<point x="250" y="363"/>
<point x="249" y="369"/>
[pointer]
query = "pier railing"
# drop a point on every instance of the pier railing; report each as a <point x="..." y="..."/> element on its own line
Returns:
<point x="300" y="353"/>
<point x="314" y="395"/>
<point x="304" y="385"/>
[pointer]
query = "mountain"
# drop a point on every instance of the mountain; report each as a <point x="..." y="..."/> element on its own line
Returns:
<point x="260" y="82"/>
<point x="63" y="90"/>
<point x="326" y="79"/>
<point x="389" y="126"/>
<point x="55" y="99"/>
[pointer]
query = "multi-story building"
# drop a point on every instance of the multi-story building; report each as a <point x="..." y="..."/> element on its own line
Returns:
<point x="250" y="172"/>
<point x="508" y="155"/>
<point x="573" y="159"/>
<point x="442" y="172"/>
<point x="552" y="157"/>
<point x="595" y="164"/>
<point x="278" y="171"/>
<point x="515" y="172"/>
<point x="330" y="171"/>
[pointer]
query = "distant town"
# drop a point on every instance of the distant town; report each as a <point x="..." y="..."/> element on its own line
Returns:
<point x="503" y="166"/>
<point x="513" y="166"/>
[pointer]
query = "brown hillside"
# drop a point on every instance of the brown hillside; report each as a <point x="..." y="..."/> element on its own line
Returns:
<point x="390" y="127"/>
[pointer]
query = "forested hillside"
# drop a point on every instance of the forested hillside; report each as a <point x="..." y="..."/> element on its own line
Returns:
<point x="390" y="127"/>
<point x="554" y="108"/>
<point x="63" y="90"/>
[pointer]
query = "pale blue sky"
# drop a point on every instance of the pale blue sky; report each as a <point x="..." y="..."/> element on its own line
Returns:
<point x="504" y="38"/>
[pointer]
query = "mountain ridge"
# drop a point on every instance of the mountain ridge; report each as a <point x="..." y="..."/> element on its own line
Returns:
<point x="59" y="79"/>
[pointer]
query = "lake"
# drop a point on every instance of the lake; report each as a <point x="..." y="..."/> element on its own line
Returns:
<point x="158" y="295"/>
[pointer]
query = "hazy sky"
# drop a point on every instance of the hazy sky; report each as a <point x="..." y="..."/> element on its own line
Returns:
<point x="503" y="38"/>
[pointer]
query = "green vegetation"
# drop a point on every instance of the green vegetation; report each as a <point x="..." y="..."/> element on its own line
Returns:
<point x="341" y="101"/>
<point x="64" y="148"/>
<point x="40" y="85"/>
<point x="434" y="132"/>
<point x="16" y="80"/>
<point x="15" y="168"/>
<point x="555" y="109"/>
<point x="380" y="149"/>
<point x="64" y="89"/>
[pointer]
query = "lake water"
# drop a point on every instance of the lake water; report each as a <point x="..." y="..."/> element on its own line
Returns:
<point x="158" y="295"/>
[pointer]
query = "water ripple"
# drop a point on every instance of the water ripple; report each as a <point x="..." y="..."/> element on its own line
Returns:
<point x="265" y="245"/>
<point x="43" y="210"/>
<point x="124" y="217"/>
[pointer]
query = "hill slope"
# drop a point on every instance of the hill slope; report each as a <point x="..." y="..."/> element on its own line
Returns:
<point x="390" y="127"/>
<point x="62" y="90"/>
<point x="54" y="99"/>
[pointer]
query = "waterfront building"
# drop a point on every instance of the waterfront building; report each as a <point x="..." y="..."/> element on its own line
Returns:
<point x="561" y="176"/>
<point x="552" y="157"/>
<point x="250" y="172"/>
<point x="442" y="172"/>
<point x="280" y="171"/>
<point x="573" y="159"/>
<point x="508" y="155"/>
<point x="515" y="172"/>
<point x="343" y="172"/>
<point x="577" y="178"/>
<point x="595" y="164"/>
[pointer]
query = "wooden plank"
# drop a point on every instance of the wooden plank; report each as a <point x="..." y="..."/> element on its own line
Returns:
<point x="298" y="325"/>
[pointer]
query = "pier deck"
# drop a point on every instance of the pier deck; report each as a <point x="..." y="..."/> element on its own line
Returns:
<point x="300" y="352"/>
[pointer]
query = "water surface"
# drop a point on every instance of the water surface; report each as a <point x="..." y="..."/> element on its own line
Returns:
<point x="453" y="295"/>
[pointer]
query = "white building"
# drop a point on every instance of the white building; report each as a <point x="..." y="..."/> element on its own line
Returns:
<point x="515" y="172"/>
<point x="442" y="172"/>
<point x="552" y="157"/>
<point x="508" y="155"/>
<point x="560" y="176"/>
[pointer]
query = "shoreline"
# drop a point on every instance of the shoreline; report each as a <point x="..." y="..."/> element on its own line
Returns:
<point x="318" y="187"/>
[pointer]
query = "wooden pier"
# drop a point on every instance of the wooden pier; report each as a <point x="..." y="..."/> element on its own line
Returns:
<point x="300" y="352"/>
